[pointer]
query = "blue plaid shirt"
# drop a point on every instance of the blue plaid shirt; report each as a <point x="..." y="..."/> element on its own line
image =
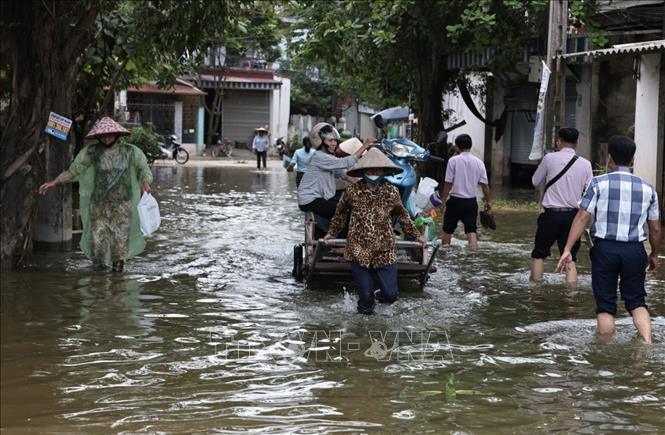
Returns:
<point x="621" y="204"/>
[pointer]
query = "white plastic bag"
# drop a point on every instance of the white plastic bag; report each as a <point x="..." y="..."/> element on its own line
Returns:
<point x="149" y="218"/>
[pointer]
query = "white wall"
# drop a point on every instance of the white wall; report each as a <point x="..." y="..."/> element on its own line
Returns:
<point x="300" y="125"/>
<point x="367" y="127"/>
<point x="280" y="105"/>
<point x="474" y="127"/>
<point x="583" y="112"/>
<point x="646" y="119"/>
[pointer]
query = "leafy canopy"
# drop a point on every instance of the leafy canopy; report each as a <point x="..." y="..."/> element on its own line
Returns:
<point x="391" y="50"/>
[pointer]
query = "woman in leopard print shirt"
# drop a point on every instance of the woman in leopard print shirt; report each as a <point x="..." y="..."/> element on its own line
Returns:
<point x="370" y="245"/>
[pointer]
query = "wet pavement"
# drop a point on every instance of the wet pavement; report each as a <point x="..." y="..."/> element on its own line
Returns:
<point x="206" y="331"/>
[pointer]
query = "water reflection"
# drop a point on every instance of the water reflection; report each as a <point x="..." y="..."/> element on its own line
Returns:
<point x="207" y="332"/>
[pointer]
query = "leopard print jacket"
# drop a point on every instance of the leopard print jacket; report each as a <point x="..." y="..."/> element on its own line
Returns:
<point x="371" y="240"/>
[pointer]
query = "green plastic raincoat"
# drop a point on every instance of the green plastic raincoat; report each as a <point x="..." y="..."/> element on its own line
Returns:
<point x="128" y="172"/>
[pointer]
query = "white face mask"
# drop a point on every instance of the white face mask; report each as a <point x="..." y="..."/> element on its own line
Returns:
<point x="373" y="177"/>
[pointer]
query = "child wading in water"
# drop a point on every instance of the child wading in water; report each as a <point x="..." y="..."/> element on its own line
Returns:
<point x="370" y="245"/>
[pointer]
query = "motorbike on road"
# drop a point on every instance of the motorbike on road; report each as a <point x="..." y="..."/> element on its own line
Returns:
<point x="281" y="148"/>
<point x="174" y="150"/>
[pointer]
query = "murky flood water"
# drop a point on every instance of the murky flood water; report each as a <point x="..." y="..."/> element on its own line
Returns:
<point x="208" y="332"/>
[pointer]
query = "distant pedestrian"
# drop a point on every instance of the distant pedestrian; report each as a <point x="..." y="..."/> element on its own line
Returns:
<point x="618" y="204"/>
<point x="301" y="159"/>
<point x="463" y="175"/>
<point x="260" y="145"/>
<point x="565" y="176"/>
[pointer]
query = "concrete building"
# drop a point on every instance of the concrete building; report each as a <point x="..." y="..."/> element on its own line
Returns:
<point x="474" y="127"/>
<point x="251" y="98"/>
<point x="624" y="94"/>
<point x="358" y="119"/>
<point x="177" y="110"/>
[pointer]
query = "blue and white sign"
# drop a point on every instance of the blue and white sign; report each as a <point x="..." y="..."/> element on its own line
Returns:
<point x="58" y="126"/>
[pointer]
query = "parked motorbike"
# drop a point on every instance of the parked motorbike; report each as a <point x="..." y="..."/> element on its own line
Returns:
<point x="174" y="150"/>
<point x="281" y="148"/>
<point x="441" y="148"/>
<point x="404" y="153"/>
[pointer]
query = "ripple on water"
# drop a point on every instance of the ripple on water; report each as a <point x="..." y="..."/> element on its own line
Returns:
<point x="208" y="333"/>
<point x="406" y="414"/>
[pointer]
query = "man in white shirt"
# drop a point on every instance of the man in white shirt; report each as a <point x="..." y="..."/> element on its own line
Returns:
<point x="463" y="175"/>
<point x="559" y="201"/>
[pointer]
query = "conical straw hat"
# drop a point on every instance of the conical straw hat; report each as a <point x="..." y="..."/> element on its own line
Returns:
<point x="106" y="126"/>
<point x="350" y="146"/>
<point x="373" y="159"/>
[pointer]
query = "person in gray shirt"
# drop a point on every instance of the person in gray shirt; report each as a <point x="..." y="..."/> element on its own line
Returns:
<point x="316" y="192"/>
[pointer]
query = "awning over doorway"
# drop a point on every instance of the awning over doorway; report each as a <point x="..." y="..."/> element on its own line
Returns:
<point x="242" y="79"/>
<point x="180" y="88"/>
<point x="636" y="47"/>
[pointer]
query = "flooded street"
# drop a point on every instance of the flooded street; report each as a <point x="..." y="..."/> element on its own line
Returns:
<point x="206" y="331"/>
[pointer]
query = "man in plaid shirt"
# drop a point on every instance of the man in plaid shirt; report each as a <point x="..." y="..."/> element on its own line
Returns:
<point x="620" y="204"/>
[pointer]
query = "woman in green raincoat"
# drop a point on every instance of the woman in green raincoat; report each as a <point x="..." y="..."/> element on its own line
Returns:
<point x="111" y="176"/>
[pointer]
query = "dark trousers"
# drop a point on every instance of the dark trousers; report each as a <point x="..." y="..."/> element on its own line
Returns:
<point x="613" y="261"/>
<point x="322" y="207"/>
<point x="553" y="226"/>
<point x="299" y="177"/>
<point x="387" y="278"/>
<point x="261" y="156"/>
<point x="460" y="209"/>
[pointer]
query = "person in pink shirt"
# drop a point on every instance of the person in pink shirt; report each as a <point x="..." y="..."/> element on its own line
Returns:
<point x="560" y="201"/>
<point x="463" y="175"/>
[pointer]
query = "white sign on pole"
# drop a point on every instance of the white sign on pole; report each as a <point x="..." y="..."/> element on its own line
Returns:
<point x="538" y="145"/>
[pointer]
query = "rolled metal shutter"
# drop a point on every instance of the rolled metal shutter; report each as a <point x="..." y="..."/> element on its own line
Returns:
<point x="242" y="112"/>
<point x="521" y="138"/>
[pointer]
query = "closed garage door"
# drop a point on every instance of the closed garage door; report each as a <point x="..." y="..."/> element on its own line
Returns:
<point x="521" y="138"/>
<point x="522" y="126"/>
<point x="522" y="101"/>
<point x="243" y="111"/>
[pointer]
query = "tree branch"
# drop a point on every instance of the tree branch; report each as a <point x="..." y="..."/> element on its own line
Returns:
<point x="19" y="162"/>
<point x="114" y="80"/>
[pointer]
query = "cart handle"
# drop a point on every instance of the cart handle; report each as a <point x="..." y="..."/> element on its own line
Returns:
<point x="398" y="243"/>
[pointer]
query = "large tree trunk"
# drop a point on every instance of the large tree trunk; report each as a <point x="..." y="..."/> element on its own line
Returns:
<point x="41" y="42"/>
<point x="429" y="79"/>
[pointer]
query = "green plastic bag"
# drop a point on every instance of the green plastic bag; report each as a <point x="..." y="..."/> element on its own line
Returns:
<point x="431" y="231"/>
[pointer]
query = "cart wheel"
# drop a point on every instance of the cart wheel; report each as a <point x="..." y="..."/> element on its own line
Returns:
<point x="297" y="272"/>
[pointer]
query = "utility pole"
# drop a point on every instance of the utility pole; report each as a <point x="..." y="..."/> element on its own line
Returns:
<point x="557" y="31"/>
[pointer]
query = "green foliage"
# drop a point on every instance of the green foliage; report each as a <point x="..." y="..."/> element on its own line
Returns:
<point x="147" y="139"/>
<point x="505" y="26"/>
<point x="256" y="28"/>
<point x="514" y="205"/>
<point x="158" y="40"/>
<point x="396" y="51"/>
<point x="311" y="89"/>
<point x="345" y="42"/>
<point x="295" y="142"/>
<point x="583" y="13"/>
<point x="450" y="387"/>
<point x="600" y="169"/>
